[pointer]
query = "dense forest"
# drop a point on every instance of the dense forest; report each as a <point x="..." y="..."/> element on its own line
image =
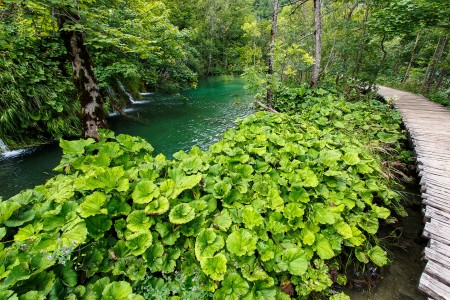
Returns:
<point x="291" y="203"/>
<point x="135" y="46"/>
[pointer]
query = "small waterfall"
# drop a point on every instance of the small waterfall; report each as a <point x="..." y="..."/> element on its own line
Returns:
<point x="3" y="147"/>
<point x="130" y="97"/>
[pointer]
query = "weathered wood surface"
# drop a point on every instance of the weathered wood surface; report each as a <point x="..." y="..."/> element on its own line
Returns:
<point x="428" y="125"/>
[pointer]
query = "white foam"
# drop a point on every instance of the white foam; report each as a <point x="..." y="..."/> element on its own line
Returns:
<point x="127" y="110"/>
<point x="13" y="153"/>
<point x="140" y="102"/>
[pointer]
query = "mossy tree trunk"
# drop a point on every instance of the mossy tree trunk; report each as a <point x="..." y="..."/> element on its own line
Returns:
<point x="92" y="114"/>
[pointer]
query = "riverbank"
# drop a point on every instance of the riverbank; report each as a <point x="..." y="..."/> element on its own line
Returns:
<point x="169" y="122"/>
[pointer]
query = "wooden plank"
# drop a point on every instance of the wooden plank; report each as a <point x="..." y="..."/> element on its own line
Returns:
<point x="438" y="271"/>
<point x="437" y="214"/>
<point x="434" y="288"/>
<point x="433" y="255"/>
<point x="439" y="247"/>
<point x="428" y="129"/>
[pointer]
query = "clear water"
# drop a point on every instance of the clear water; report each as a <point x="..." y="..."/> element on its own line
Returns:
<point x="169" y="122"/>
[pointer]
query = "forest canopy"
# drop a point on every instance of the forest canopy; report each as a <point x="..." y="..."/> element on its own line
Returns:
<point x="168" y="45"/>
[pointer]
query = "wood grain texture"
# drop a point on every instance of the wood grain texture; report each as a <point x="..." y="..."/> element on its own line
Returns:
<point x="428" y="126"/>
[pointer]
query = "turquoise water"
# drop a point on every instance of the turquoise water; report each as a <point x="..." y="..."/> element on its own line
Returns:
<point x="169" y="122"/>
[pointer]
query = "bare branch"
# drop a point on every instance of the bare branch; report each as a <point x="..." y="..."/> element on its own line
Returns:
<point x="266" y="107"/>
<point x="295" y="2"/>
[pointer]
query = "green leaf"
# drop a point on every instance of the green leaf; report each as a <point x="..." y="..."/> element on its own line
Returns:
<point x="68" y="275"/>
<point x="293" y="211"/>
<point x="233" y="287"/>
<point x="158" y="206"/>
<point x="324" y="215"/>
<point x="167" y="232"/>
<point x="308" y="237"/>
<point x="299" y="194"/>
<point x="309" y="177"/>
<point x="181" y="214"/>
<point x="20" y="219"/>
<point x="170" y="259"/>
<point x="387" y="137"/>
<point x="117" y="207"/>
<point x="106" y="179"/>
<point x="74" y="233"/>
<point x="139" y="221"/>
<point x="382" y="212"/>
<point x="274" y="200"/>
<point x="330" y="157"/>
<point x="252" y="270"/>
<point x="208" y="243"/>
<point x="223" y="220"/>
<point x="2" y="232"/>
<point x="138" y="242"/>
<point x="167" y="188"/>
<point x="25" y="233"/>
<point x="295" y="261"/>
<point x="221" y="189"/>
<point x="119" y="290"/>
<point x="92" y="205"/>
<point x="241" y="242"/>
<point x="343" y="229"/>
<point x="94" y="291"/>
<point x="144" y="192"/>
<point x="215" y="267"/>
<point x="340" y="296"/>
<point x="251" y="218"/>
<point x="351" y="158"/>
<point x="184" y="183"/>
<point x="323" y="248"/>
<point x="361" y="255"/>
<point x="378" y="256"/>
<point x="7" y="208"/>
<point x="98" y="225"/>
<point x="75" y="147"/>
<point x="369" y="222"/>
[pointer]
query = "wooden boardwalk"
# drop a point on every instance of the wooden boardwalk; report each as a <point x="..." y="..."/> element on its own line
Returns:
<point x="428" y="124"/>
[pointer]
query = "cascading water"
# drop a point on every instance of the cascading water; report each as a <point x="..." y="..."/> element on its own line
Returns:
<point x="3" y="147"/>
<point x="130" y="97"/>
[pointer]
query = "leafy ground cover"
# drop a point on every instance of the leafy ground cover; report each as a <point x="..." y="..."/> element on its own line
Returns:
<point x="267" y="213"/>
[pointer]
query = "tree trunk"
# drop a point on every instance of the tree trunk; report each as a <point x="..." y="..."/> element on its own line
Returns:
<point x="92" y="114"/>
<point x="273" y="34"/>
<point x="413" y="54"/>
<point x="442" y="74"/>
<point x="436" y="64"/>
<point x="380" y="65"/>
<point x="360" y="54"/>
<point x="440" y="79"/>
<point x="318" y="54"/>
<point x="427" y="72"/>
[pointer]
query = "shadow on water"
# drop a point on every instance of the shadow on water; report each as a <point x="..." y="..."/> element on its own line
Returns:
<point x="169" y="122"/>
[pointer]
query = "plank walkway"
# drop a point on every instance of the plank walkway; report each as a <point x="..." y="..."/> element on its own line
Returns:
<point x="428" y="124"/>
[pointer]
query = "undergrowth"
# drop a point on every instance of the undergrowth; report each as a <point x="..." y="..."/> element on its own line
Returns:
<point x="269" y="212"/>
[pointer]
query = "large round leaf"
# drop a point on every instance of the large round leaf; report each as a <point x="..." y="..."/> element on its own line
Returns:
<point x="182" y="213"/>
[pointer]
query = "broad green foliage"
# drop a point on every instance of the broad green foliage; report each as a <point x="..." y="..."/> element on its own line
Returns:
<point x="265" y="206"/>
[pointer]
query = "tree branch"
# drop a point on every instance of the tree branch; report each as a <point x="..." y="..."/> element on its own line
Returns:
<point x="266" y="107"/>
<point x="295" y="2"/>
